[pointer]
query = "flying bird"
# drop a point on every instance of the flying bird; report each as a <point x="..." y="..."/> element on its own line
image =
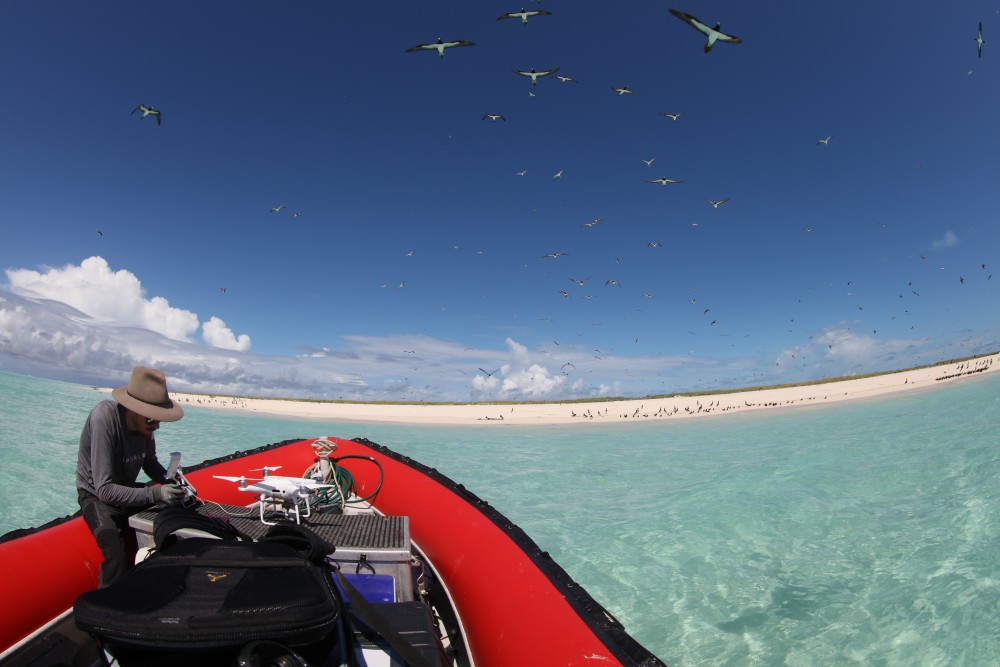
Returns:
<point x="558" y="174"/>
<point x="663" y="181"/>
<point x="713" y="34"/>
<point x="979" y="40"/>
<point x="521" y="173"/>
<point x="580" y="282"/>
<point x="649" y="162"/>
<point x="566" y="79"/>
<point x="277" y="208"/>
<point x="624" y="90"/>
<point x="555" y="255"/>
<point x="533" y="75"/>
<point x="147" y="111"/>
<point x="523" y="15"/>
<point x="494" y="117"/>
<point x="488" y="374"/>
<point x="717" y="204"/>
<point x="825" y="141"/>
<point x="440" y="45"/>
<point x="672" y="116"/>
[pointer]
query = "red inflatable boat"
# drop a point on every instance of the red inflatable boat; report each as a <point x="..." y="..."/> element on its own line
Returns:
<point x="499" y="600"/>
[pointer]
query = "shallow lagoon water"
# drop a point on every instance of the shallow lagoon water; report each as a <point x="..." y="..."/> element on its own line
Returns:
<point x="862" y="533"/>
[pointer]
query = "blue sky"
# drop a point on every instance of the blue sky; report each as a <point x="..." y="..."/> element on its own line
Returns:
<point x="415" y="267"/>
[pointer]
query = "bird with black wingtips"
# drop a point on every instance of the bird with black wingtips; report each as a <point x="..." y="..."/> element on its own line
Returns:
<point x="533" y="75"/>
<point x="494" y="117"/>
<point x="979" y="40"/>
<point x="713" y="34"/>
<point x="523" y="14"/>
<point x="147" y="111"/>
<point x="663" y="180"/>
<point x="717" y="203"/>
<point x="440" y="45"/>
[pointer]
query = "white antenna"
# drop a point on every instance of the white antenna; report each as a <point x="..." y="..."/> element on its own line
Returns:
<point x="175" y="462"/>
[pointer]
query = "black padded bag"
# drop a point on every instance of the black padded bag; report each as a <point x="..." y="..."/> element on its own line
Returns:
<point x="207" y="594"/>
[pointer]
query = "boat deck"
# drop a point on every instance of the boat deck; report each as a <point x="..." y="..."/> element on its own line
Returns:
<point x="345" y="531"/>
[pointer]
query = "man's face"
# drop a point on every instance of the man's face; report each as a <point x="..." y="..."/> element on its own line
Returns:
<point x="138" y="424"/>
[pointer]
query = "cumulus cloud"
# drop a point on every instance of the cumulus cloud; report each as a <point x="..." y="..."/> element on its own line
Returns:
<point x="949" y="240"/>
<point x="521" y="377"/>
<point x="118" y="298"/>
<point x="113" y="297"/>
<point x="840" y="351"/>
<point x="217" y="334"/>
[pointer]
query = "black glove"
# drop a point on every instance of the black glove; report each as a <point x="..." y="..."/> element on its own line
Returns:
<point x="170" y="494"/>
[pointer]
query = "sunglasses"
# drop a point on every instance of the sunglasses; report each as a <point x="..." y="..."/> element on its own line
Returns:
<point x="152" y="421"/>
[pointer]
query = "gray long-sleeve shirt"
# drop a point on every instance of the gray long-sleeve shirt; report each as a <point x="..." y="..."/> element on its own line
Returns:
<point x="111" y="457"/>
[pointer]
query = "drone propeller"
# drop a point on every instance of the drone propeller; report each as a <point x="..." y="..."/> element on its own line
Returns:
<point x="241" y="479"/>
<point x="266" y="469"/>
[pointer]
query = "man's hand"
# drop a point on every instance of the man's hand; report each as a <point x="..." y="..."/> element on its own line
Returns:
<point x="170" y="494"/>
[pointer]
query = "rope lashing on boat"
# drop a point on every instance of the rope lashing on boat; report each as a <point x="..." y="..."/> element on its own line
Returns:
<point x="326" y="470"/>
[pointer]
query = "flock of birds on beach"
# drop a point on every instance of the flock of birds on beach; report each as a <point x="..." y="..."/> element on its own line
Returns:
<point x="713" y="37"/>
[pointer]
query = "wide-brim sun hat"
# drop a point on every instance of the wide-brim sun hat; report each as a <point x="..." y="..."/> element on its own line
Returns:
<point x="146" y="394"/>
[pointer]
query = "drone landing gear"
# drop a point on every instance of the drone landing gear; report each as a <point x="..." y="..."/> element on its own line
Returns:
<point x="287" y="508"/>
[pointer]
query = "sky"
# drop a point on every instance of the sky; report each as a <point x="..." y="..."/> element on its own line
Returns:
<point x="321" y="212"/>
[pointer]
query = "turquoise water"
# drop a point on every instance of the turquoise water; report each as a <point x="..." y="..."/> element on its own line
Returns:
<point x="865" y="533"/>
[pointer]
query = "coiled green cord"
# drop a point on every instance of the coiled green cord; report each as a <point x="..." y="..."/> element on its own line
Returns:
<point x="336" y="497"/>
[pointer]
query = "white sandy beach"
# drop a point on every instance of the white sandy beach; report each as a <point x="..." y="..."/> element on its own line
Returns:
<point x="669" y="408"/>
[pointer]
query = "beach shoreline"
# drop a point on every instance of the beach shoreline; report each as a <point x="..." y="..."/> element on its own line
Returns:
<point x="598" y="411"/>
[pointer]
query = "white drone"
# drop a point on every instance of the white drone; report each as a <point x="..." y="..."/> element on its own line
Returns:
<point x="289" y="495"/>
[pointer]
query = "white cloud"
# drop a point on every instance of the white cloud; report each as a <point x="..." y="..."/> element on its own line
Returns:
<point x="91" y="325"/>
<point x="217" y="334"/>
<point x="949" y="240"/>
<point x="526" y="378"/>
<point x="112" y="297"/>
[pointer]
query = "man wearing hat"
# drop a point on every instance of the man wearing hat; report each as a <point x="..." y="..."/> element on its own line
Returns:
<point x="117" y="442"/>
